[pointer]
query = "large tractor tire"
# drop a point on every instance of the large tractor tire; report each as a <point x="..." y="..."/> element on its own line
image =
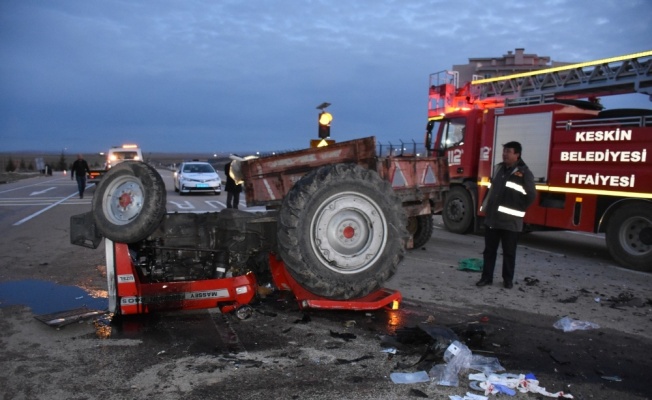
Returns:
<point x="458" y="211"/>
<point x="129" y="202"/>
<point x="629" y="237"/>
<point x="341" y="231"/>
<point x="420" y="227"/>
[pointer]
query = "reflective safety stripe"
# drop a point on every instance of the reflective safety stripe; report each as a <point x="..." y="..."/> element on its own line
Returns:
<point x="515" y="186"/>
<point x="511" y="211"/>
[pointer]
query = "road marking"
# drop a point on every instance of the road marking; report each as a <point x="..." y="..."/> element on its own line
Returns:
<point x="215" y="203"/>
<point x="41" y="191"/>
<point x="35" y="184"/>
<point x="44" y="210"/>
<point x="186" y="206"/>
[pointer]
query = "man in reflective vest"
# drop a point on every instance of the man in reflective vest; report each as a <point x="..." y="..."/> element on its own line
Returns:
<point x="511" y="192"/>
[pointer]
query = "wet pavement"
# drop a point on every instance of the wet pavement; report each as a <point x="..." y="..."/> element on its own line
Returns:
<point x="44" y="297"/>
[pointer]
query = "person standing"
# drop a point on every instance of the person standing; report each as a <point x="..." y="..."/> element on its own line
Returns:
<point x="232" y="190"/>
<point x="80" y="170"/>
<point x="511" y="192"/>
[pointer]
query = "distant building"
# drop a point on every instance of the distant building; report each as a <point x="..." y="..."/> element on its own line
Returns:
<point x="510" y="63"/>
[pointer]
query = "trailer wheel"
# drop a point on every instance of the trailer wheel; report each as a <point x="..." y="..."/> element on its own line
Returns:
<point x="129" y="203"/>
<point x="420" y="227"/>
<point x="629" y="237"/>
<point x="458" y="210"/>
<point x="341" y="231"/>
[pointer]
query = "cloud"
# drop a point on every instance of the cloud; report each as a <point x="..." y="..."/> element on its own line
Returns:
<point x="183" y="76"/>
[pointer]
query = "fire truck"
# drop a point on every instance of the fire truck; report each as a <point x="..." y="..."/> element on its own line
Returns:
<point x="592" y="167"/>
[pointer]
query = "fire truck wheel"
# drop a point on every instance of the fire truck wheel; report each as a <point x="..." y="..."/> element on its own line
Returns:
<point x="629" y="236"/>
<point x="341" y="231"/>
<point x="458" y="210"/>
<point x="129" y="203"/>
<point x="420" y="227"/>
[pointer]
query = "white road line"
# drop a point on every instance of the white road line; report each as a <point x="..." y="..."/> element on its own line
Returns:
<point x="42" y="191"/>
<point x="36" y="184"/>
<point x="44" y="210"/>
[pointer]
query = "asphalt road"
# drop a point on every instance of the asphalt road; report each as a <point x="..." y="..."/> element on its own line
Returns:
<point x="284" y="352"/>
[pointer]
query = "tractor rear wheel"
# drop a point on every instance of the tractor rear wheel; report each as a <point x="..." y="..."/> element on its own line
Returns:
<point x="341" y="231"/>
<point x="129" y="203"/>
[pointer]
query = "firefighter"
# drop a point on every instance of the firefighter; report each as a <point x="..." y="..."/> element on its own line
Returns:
<point x="510" y="193"/>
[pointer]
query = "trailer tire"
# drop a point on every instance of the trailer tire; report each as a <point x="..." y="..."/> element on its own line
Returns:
<point x="341" y="231"/>
<point x="458" y="211"/>
<point x="129" y="203"/>
<point x="420" y="227"/>
<point x="629" y="237"/>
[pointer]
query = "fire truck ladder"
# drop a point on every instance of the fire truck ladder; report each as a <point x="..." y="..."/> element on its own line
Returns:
<point x="631" y="73"/>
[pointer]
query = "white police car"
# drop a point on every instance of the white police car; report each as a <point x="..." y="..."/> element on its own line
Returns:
<point x="197" y="176"/>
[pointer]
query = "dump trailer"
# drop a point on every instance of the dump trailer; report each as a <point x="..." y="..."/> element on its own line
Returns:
<point x="339" y="218"/>
<point x="592" y="167"/>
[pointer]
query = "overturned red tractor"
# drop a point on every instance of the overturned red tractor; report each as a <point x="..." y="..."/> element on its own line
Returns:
<point x="339" y="218"/>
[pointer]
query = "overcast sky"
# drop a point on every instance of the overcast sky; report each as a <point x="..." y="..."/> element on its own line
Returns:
<point x="224" y="76"/>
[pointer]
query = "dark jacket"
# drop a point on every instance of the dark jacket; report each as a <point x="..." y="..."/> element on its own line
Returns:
<point x="230" y="183"/>
<point x="511" y="192"/>
<point x="79" y="169"/>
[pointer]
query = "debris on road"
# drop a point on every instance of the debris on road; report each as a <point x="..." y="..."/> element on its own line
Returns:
<point x="471" y="264"/>
<point x="568" y="324"/>
<point x="507" y="383"/>
<point x="409" y="377"/>
<point x="63" y="318"/>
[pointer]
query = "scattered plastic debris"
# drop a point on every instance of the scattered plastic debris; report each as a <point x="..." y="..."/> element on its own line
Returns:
<point x="468" y="396"/>
<point x="487" y="365"/>
<point x="391" y="350"/>
<point x="568" y="324"/>
<point x="612" y="378"/>
<point x="471" y="264"/>
<point x="508" y="383"/>
<point x="458" y="358"/>
<point x="409" y="377"/>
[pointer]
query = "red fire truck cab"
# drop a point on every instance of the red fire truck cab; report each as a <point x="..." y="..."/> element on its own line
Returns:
<point x="592" y="168"/>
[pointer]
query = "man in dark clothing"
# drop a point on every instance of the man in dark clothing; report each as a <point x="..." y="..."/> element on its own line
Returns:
<point x="232" y="190"/>
<point x="511" y="192"/>
<point x="80" y="170"/>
